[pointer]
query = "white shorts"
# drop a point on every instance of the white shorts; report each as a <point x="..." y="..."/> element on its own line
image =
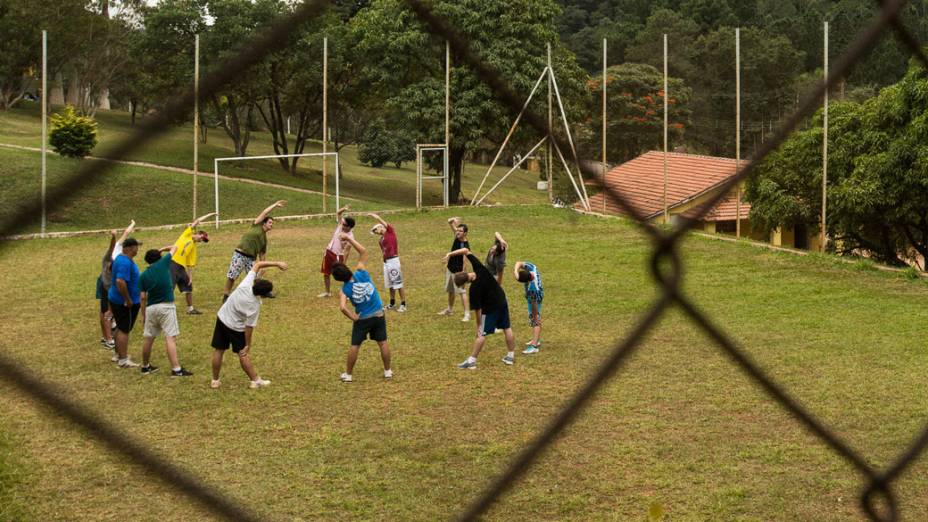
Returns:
<point x="450" y="287"/>
<point x="392" y="274"/>
<point x="161" y="317"/>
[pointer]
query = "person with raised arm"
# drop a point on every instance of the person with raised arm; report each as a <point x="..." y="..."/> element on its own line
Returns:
<point x="104" y="281"/>
<point x="236" y="322"/>
<point x="496" y="257"/>
<point x="392" y="271"/>
<point x="158" y="312"/>
<point x="251" y="247"/>
<point x="528" y="274"/>
<point x="185" y="258"/>
<point x="488" y="301"/>
<point x="368" y="316"/>
<point x="454" y="263"/>
<point x="337" y="250"/>
<point x="125" y="299"/>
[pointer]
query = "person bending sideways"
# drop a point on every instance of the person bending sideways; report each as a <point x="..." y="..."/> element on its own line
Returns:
<point x="454" y="264"/>
<point x="185" y="258"/>
<point x="368" y="315"/>
<point x="337" y="250"/>
<point x="236" y="321"/>
<point x="527" y="273"/>
<point x="159" y="315"/>
<point x="392" y="271"/>
<point x="496" y="257"/>
<point x="251" y="247"/>
<point x="124" y="296"/>
<point x="104" y="281"/>
<point x="488" y="301"/>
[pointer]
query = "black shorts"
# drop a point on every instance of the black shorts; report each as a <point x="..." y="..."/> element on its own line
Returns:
<point x="375" y="327"/>
<point x="180" y="278"/>
<point x="125" y="316"/>
<point x="104" y="304"/>
<point x="223" y="337"/>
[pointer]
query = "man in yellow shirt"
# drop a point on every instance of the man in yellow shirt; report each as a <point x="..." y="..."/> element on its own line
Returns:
<point x="185" y="258"/>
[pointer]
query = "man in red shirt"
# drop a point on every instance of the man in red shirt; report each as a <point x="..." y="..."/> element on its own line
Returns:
<point x="392" y="272"/>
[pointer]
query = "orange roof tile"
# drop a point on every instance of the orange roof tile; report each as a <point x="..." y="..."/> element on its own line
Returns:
<point x="641" y="181"/>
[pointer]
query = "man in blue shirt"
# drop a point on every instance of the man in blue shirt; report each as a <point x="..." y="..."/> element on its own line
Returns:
<point x="527" y="274"/>
<point x="368" y="317"/>
<point x="125" y="299"/>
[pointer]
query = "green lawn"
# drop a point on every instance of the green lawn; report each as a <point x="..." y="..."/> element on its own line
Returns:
<point x="680" y="426"/>
<point x="386" y="188"/>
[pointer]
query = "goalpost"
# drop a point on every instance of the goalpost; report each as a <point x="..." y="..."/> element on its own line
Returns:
<point x="420" y="170"/>
<point x="323" y="155"/>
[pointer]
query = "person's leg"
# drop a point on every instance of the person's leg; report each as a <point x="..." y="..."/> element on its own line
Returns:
<point x="122" y="344"/>
<point x="510" y="340"/>
<point x="384" y="354"/>
<point x="146" y="349"/>
<point x="245" y="361"/>
<point x="451" y="301"/>
<point x="403" y="295"/>
<point x="478" y="345"/>
<point x="466" y="308"/>
<point x="189" y="297"/>
<point x="105" y="327"/>
<point x="392" y="296"/>
<point x="228" y="288"/>
<point x="352" y="358"/>
<point x="170" y="345"/>
<point x="217" y="363"/>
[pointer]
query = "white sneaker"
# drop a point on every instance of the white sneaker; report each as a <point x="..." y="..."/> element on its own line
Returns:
<point x="388" y="374"/>
<point x="446" y="311"/>
<point x="260" y="383"/>
<point x="115" y="358"/>
<point x="345" y="377"/>
<point x="466" y="318"/>
<point x="215" y="383"/>
<point x="109" y="345"/>
<point x="401" y="309"/>
<point x="324" y="294"/>
<point x="389" y="307"/>
<point x="128" y="363"/>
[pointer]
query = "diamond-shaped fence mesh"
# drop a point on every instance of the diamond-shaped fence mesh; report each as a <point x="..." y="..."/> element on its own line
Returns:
<point x="877" y="498"/>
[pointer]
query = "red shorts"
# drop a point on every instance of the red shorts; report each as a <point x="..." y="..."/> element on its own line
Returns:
<point x="328" y="260"/>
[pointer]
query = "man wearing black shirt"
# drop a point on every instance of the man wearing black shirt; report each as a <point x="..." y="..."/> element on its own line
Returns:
<point x="455" y="264"/>
<point x="488" y="300"/>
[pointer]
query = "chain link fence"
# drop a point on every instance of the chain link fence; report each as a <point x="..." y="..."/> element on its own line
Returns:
<point x="877" y="498"/>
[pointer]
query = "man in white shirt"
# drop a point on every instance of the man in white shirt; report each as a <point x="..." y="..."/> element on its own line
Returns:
<point x="237" y="319"/>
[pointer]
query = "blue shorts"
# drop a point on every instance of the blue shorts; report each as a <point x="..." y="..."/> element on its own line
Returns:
<point x="534" y="308"/>
<point x="499" y="319"/>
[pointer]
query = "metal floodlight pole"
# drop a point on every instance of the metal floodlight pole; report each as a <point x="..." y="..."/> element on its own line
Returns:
<point x="196" y="118"/>
<point x="44" y="126"/>
<point x="825" y="149"/>
<point x="550" y="159"/>
<point x="603" y="180"/>
<point x="325" y="122"/>
<point x="737" y="128"/>
<point x="666" y="95"/>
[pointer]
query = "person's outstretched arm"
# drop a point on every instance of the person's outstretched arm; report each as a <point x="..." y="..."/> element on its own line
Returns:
<point x="261" y="265"/>
<point x="340" y="212"/>
<point x="502" y="241"/>
<point x="109" y="251"/>
<point x="125" y="233"/>
<point x="362" y="252"/>
<point x="264" y="213"/>
<point x="453" y="223"/>
<point x="380" y="220"/>
<point x="459" y="252"/>
<point x="201" y="219"/>
<point x="515" y="269"/>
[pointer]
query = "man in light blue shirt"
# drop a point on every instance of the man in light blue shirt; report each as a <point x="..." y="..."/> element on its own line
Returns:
<point x="527" y="273"/>
<point x="368" y="317"/>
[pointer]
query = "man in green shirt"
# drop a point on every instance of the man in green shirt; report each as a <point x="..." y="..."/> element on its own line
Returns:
<point x="158" y="311"/>
<point x="251" y="247"/>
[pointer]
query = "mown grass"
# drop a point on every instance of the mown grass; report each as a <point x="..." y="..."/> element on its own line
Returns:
<point x="388" y="187"/>
<point x="11" y="480"/>
<point x="680" y="427"/>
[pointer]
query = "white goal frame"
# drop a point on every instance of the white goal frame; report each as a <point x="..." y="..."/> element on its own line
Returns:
<point x="420" y="171"/>
<point x="276" y="156"/>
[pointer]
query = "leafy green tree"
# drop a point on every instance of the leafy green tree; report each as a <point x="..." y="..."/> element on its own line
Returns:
<point x="681" y="34"/>
<point x="635" y="104"/>
<point x="376" y="147"/>
<point x="19" y="54"/>
<point x="72" y="135"/>
<point x="403" y="68"/>
<point x="877" y="175"/>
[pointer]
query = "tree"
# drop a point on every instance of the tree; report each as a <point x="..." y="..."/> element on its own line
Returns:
<point x="19" y="54"/>
<point x="376" y="147"/>
<point x="877" y="175"/>
<point x="681" y="34"/>
<point x="403" y="68"/>
<point x="635" y="105"/>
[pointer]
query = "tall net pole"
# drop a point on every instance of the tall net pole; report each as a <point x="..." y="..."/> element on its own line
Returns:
<point x="824" y="238"/>
<point x="666" y="95"/>
<point x="605" y="62"/>
<point x="44" y="124"/>
<point x="550" y="130"/>
<point x="325" y="121"/>
<point x="738" y="128"/>
<point x="196" y="119"/>
<point x="447" y="122"/>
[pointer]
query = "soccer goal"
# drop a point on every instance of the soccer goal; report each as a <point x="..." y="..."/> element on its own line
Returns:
<point x="324" y="155"/>
<point x="421" y="149"/>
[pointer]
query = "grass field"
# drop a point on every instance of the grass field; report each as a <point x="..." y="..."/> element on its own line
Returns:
<point x="385" y="188"/>
<point x="680" y="427"/>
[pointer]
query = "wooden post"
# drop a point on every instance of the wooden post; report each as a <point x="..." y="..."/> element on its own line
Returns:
<point x="738" y="128"/>
<point x="603" y="180"/>
<point x="325" y="121"/>
<point x="550" y="131"/>
<point x="196" y="118"/>
<point x="666" y="95"/>
<point x="825" y="148"/>
<point x="447" y="153"/>
<point x="44" y="123"/>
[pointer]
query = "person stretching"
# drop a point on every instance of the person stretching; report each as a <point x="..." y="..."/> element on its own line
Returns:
<point x="488" y="301"/>
<point x="337" y="250"/>
<point x="454" y="264"/>
<point x="368" y="316"/>
<point x="124" y="296"/>
<point x="527" y="273"/>
<point x="158" y="311"/>
<point x="185" y="258"/>
<point x="392" y="271"/>
<point x="252" y="246"/>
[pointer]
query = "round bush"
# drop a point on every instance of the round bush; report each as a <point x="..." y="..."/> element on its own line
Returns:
<point x="72" y="135"/>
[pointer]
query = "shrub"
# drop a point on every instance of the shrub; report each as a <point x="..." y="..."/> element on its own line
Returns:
<point x="376" y="147"/>
<point x="72" y="135"/>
